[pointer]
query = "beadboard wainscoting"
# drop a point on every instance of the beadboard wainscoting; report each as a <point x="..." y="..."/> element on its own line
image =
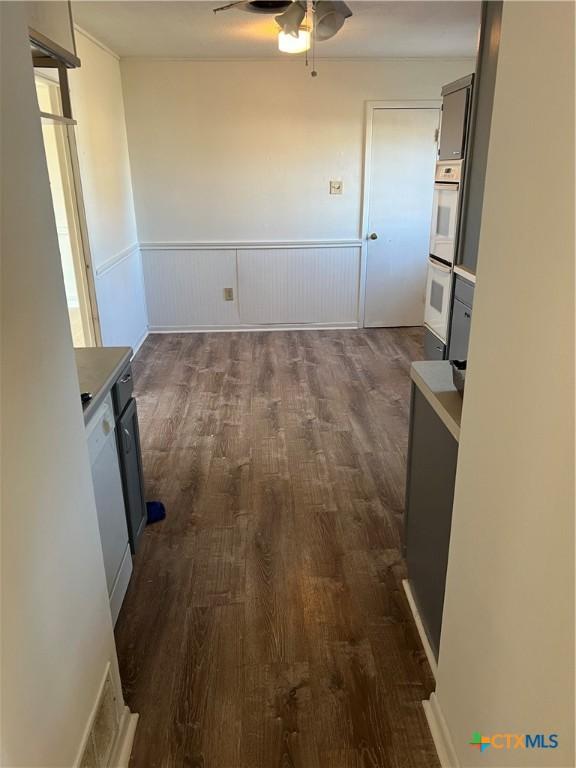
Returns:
<point x="121" y="299"/>
<point x="287" y="284"/>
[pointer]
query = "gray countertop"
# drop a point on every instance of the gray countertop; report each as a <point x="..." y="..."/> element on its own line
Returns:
<point x="98" y="369"/>
<point x="434" y="379"/>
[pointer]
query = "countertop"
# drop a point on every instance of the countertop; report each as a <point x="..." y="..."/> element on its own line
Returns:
<point x="98" y="369"/>
<point x="434" y="379"/>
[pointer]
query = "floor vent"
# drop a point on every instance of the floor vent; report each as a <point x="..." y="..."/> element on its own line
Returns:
<point x="104" y="728"/>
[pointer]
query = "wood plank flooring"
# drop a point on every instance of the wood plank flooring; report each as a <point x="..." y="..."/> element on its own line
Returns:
<point x="265" y="625"/>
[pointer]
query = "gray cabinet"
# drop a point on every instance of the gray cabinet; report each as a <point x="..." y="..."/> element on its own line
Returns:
<point x="432" y="457"/>
<point x="434" y="349"/>
<point x="453" y="122"/>
<point x="131" y="471"/>
<point x="461" y="320"/>
<point x="129" y="453"/>
<point x="453" y="129"/>
<point x="460" y="331"/>
<point x="484" y="83"/>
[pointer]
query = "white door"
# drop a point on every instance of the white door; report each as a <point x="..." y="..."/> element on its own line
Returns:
<point x="402" y="161"/>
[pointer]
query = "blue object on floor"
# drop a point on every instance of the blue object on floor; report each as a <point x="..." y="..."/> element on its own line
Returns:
<point x="155" y="511"/>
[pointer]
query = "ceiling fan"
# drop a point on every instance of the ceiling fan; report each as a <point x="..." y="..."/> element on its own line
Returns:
<point x="329" y="17"/>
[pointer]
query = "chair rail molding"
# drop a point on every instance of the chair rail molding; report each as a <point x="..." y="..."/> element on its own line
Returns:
<point x="240" y="245"/>
<point x="116" y="259"/>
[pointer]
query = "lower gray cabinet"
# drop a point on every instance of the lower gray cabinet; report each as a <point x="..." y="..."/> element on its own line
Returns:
<point x="432" y="456"/>
<point x="460" y="330"/>
<point x="461" y="320"/>
<point x="434" y="349"/>
<point x="131" y="471"/>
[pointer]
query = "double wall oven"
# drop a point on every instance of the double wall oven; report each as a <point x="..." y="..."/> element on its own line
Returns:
<point x="443" y="236"/>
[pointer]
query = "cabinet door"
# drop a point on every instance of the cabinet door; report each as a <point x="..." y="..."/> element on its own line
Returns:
<point x="434" y="349"/>
<point x="453" y="127"/>
<point x="122" y="390"/>
<point x="460" y="331"/>
<point x="484" y="86"/>
<point x="432" y="457"/>
<point x="110" y="509"/>
<point x="132" y="477"/>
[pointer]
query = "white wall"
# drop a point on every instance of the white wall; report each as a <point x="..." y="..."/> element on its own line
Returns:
<point x="242" y="152"/>
<point x="245" y="150"/>
<point x="507" y="649"/>
<point x="98" y="107"/>
<point x="56" y="627"/>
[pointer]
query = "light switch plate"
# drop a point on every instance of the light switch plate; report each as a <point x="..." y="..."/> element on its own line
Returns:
<point x="228" y="294"/>
<point x="336" y="187"/>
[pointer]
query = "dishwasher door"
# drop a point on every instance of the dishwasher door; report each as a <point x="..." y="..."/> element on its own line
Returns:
<point x="131" y="469"/>
<point x="109" y="503"/>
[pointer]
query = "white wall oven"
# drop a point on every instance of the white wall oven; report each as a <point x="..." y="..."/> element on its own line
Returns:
<point x="445" y="208"/>
<point x="443" y="238"/>
<point x="438" y="290"/>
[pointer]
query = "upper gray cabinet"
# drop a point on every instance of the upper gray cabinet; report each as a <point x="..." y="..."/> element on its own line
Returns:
<point x="454" y="124"/>
<point x="52" y="23"/>
<point x="484" y="84"/>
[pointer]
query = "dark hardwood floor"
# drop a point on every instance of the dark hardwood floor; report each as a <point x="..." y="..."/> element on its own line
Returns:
<point x="265" y="625"/>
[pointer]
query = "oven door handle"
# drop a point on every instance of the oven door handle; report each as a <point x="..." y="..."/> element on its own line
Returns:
<point x="437" y="265"/>
<point x="445" y="185"/>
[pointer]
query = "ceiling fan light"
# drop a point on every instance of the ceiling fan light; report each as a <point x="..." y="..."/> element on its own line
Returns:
<point x="288" y="43"/>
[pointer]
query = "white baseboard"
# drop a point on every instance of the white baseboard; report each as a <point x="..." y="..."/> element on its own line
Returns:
<point x="250" y="328"/>
<point x="420" y="627"/>
<point x="123" y="748"/>
<point x="139" y="344"/>
<point x="439" y="730"/>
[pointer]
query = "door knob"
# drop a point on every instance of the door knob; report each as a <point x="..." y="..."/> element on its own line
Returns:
<point x="373" y="236"/>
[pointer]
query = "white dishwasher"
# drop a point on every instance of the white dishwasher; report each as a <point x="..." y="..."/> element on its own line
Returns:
<point x="109" y="504"/>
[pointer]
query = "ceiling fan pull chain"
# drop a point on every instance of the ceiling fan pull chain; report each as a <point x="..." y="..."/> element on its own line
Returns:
<point x="313" y="73"/>
<point x="308" y="23"/>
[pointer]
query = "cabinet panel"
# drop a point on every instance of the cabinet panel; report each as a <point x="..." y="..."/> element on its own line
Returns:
<point x="453" y="128"/>
<point x="460" y="330"/>
<point x="434" y="349"/>
<point x="464" y="291"/>
<point x="54" y="21"/>
<point x="131" y="470"/>
<point x="122" y="390"/>
<point x="432" y="457"/>
<point x="484" y="86"/>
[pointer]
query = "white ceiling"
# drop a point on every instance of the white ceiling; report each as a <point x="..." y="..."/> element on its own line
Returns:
<point x="167" y="29"/>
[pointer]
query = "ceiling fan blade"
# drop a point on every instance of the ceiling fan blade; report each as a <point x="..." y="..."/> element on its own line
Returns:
<point x="228" y="6"/>
<point x="292" y="18"/>
<point x="330" y="17"/>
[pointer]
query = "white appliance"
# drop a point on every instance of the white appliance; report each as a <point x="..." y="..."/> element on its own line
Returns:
<point x="445" y="209"/>
<point x="437" y="306"/>
<point x="443" y="238"/>
<point x="109" y="504"/>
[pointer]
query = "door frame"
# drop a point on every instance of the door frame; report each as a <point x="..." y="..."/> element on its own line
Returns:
<point x="83" y="234"/>
<point x="370" y="108"/>
<point x="74" y="201"/>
